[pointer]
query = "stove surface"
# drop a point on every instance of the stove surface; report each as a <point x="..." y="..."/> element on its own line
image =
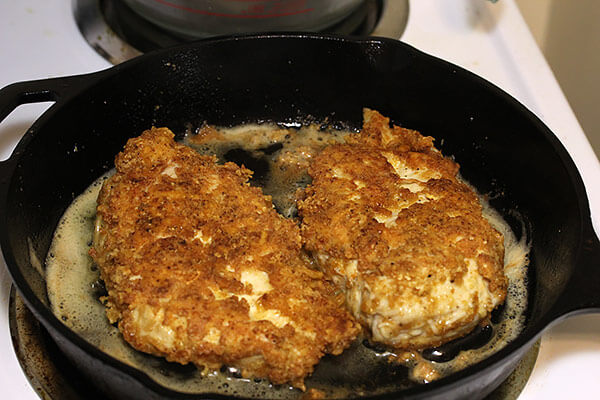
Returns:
<point x="40" y="39"/>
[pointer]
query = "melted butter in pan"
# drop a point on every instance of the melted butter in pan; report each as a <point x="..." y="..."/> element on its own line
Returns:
<point x="278" y="156"/>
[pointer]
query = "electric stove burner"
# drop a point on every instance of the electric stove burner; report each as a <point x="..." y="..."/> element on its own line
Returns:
<point x="53" y="377"/>
<point x="118" y="33"/>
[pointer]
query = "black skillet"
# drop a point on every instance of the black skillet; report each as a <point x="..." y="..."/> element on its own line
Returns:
<point x="503" y="149"/>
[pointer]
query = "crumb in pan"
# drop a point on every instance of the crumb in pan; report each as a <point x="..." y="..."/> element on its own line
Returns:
<point x="388" y="219"/>
<point x="200" y="268"/>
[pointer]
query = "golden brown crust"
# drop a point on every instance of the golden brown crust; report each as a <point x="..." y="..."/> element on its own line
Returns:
<point x="200" y="268"/>
<point x="388" y="219"/>
<point x="377" y="132"/>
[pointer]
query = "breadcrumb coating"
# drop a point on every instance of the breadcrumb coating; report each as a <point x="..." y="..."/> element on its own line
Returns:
<point x="200" y="268"/>
<point x="387" y="218"/>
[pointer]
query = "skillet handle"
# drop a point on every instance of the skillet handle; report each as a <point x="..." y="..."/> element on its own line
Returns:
<point x="582" y="293"/>
<point x="52" y="89"/>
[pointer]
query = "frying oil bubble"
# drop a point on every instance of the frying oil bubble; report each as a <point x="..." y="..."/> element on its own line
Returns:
<point x="74" y="291"/>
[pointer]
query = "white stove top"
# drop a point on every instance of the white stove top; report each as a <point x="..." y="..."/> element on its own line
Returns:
<point x="39" y="39"/>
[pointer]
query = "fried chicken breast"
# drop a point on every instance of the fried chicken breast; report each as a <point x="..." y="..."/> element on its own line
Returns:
<point x="389" y="221"/>
<point x="200" y="268"/>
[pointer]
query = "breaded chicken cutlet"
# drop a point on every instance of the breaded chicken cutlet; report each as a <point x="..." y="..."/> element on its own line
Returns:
<point x="200" y="268"/>
<point x="387" y="218"/>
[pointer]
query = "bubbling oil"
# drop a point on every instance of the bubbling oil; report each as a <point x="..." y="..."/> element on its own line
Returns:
<point x="279" y="157"/>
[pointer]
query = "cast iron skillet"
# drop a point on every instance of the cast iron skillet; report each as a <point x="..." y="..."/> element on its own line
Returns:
<point x="503" y="149"/>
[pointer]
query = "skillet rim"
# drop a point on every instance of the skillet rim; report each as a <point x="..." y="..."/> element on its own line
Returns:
<point x="86" y="81"/>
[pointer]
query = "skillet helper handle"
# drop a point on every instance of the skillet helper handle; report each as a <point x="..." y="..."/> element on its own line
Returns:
<point x="52" y="89"/>
<point x="26" y="92"/>
<point x="582" y="294"/>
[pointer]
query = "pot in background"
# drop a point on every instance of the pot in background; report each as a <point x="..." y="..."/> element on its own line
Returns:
<point x="202" y="18"/>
